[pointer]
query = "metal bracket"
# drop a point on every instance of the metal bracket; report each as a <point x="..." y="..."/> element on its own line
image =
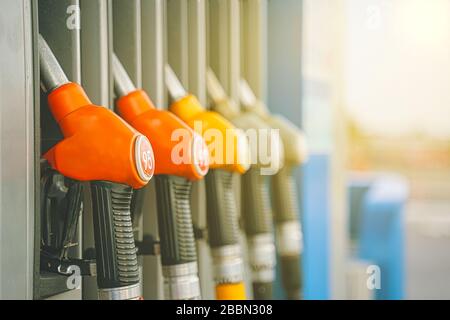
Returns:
<point x="64" y="267"/>
<point x="200" y="233"/>
<point x="148" y="246"/>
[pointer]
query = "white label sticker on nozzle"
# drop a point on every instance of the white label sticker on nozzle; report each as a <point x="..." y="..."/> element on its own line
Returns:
<point x="200" y="155"/>
<point x="289" y="238"/>
<point x="145" y="162"/>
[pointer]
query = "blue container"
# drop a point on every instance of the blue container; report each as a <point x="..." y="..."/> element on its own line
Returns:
<point x="381" y="234"/>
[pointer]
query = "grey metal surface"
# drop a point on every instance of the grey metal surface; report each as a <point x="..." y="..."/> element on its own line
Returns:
<point x="153" y="46"/>
<point x="68" y="295"/>
<point x="96" y="48"/>
<point x="197" y="49"/>
<point x="254" y="45"/>
<point x="223" y="44"/>
<point x="284" y="58"/>
<point x="127" y="37"/>
<point x="427" y="226"/>
<point x="153" y="287"/>
<point x="228" y="264"/>
<point x="186" y="32"/>
<point x="132" y="292"/>
<point x="153" y="50"/>
<point x="198" y="207"/>
<point x="17" y="146"/>
<point x="181" y="282"/>
<point x="177" y="37"/>
<point x="59" y="24"/>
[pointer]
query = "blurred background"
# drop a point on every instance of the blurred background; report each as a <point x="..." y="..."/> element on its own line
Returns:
<point x="385" y="65"/>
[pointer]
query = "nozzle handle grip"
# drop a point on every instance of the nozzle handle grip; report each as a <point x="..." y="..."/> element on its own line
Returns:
<point x="256" y="210"/>
<point x="176" y="230"/>
<point x="286" y="212"/>
<point x="284" y="191"/>
<point x="223" y="226"/>
<point x="117" y="264"/>
<point x="258" y="222"/>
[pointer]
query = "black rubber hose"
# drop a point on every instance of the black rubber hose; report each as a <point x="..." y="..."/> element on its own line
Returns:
<point x="291" y="277"/>
<point x="262" y="290"/>
<point x="258" y="222"/>
<point x="286" y="211"/>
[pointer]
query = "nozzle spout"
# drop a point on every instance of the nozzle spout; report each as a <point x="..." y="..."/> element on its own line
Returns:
<point x="52" y="75"/>
<point x="122" y="82"/>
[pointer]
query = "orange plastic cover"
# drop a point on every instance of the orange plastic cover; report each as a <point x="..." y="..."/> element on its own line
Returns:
<point x="178" y="149"/>
<point x="228" y="147"/>
<point x="230" y="291"/>
<point x="97" y="144"/>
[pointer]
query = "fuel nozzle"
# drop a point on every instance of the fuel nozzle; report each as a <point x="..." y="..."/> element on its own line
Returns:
<point x="284" y="192"/>
<point x="226" y="159"/>
<point x="256" y="209"/>
<point x="181" y="157"/>
<point x="99" y="147"/>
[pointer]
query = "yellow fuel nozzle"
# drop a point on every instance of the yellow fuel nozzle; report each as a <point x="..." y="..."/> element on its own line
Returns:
<point x="229" y="154"/>
<point x="228" y="145"/>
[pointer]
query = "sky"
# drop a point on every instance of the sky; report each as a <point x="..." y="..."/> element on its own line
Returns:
<point x="397" y="65"/>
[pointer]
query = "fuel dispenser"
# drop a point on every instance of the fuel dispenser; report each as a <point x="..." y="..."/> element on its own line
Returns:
<point x="226" y="159"/>
<point x="174" y="173"/>
<point x="101" y="148"/>
<point x="284" y="192"/>
<point x="256" y="207"/>
<point x="95" y="164"/>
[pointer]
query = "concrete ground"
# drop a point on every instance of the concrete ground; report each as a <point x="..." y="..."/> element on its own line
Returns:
<point x="427" y="248"/>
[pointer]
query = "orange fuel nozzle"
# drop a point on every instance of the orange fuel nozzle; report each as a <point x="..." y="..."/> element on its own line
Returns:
<point x="101" y="148"/>
<point x="98" y="145"/>
<point x="181" y="155"/>
<point x="229" y="154"/>
<point x="178" y="149"/>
